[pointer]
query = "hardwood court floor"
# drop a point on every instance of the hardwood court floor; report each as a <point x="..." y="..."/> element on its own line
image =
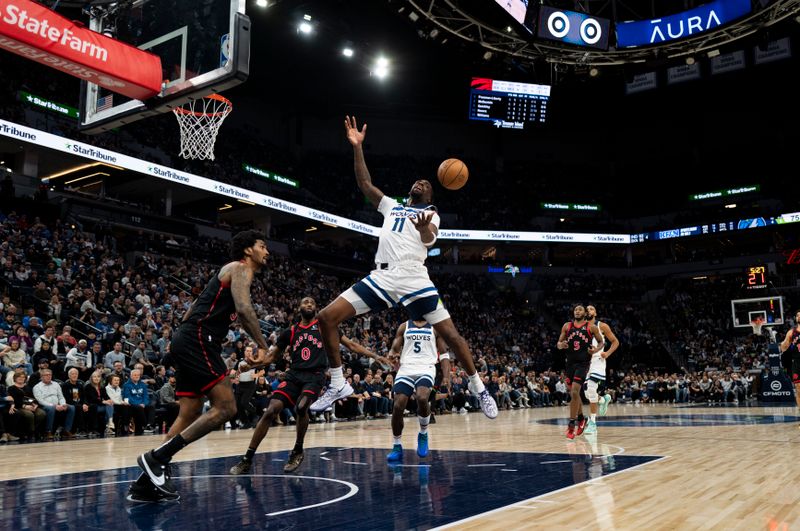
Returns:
<point x="703" y="468"/>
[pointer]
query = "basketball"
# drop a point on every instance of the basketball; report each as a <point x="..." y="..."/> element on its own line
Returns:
<point x="453" y="174"/>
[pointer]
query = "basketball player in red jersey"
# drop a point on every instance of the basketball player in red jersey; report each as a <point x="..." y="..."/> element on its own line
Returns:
<point x="792" y="344"/>
<point x="196" y="349"/>
<point x="576" y="339"/>
<point x="302" y="385"/>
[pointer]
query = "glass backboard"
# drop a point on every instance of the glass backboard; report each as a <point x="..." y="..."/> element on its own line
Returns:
<point x="204" y="46"/>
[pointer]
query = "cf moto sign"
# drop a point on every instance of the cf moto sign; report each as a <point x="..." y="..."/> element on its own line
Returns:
<point x="573" y="28"/>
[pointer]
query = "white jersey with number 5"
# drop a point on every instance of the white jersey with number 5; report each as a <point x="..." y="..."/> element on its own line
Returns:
<point x="400" y="241"/>
<point x="419" y="354"/>
<point x="597" y="367"/>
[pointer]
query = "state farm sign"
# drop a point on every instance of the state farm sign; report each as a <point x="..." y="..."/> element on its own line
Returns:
<point x="37" y="33"/>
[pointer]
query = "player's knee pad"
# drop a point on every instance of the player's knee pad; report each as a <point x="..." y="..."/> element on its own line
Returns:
<point x="591" y="392"/>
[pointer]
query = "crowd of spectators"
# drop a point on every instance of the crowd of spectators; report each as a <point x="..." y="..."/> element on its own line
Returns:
<point x="85" y="336"/>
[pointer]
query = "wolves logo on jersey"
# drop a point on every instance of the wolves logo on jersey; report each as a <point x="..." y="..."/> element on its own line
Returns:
<point x="419" y="348"/>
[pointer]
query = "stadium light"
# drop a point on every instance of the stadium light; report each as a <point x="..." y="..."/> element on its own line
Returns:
<point x="305" y="26"/>
<point x="261" y="3"/>
<point x="348" y="52"/>
<point x="381" y="68"/>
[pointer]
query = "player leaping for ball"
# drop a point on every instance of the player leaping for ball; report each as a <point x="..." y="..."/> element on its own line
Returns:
<point x="597" y="370"/>
<point x="400" y="278"/>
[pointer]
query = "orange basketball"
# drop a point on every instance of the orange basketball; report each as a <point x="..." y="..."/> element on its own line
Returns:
<point x="453" y="174"/>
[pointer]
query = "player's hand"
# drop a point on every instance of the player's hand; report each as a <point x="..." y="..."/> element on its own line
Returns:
<point x="422" y="220"/>
<point x="446" y="384"/>
<point x="384" y="361"/>
<point x="259" y="358"/>
<point x="561" y="345"/>
<point x="604" y="355"/>
<point x="354" y="136"/>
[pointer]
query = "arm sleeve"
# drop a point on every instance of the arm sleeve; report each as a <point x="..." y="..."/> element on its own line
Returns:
<point x="386" y="205"/>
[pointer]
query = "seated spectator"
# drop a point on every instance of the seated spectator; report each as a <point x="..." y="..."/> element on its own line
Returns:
<point x="13" y="356"/>
<point x="29" y="416"/>
<point x="100" y="406"/>
<point x="50" y="398"/>
<point x="136" y="394"/>
<point x="79" y="358"/>
<point x="114" y="355"/>
<point x="166" y="396"/>
<point x="120" y="370"/>
<point x="121" y="407"/>
<point x="72" y="389"/>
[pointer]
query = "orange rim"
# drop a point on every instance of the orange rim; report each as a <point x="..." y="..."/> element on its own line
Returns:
<point x="218" y="97"/>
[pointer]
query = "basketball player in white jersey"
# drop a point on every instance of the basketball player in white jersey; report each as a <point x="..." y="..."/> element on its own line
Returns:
<point x="400" y="278"/>
<point x="421" y="348"/>
<point x="597" y="370"/>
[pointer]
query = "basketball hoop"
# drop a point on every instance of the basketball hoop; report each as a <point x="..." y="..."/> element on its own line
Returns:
<point x="757" y="324"/>
<point x="200" y="121"/>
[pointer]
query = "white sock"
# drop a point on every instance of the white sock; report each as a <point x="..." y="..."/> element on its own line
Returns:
<point x="476" y="382"/>
<point x="337" y="377"/>
<point x="423" y="423"/>
<point x="397" y="439"/>
<point x="592" y="417"/>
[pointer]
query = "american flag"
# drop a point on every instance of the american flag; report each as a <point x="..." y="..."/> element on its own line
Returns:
<point x="105" y="102"/>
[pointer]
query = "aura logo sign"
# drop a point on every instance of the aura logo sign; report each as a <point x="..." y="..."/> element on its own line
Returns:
<point x="573" y="28"/>
<point x="701" y="19"/>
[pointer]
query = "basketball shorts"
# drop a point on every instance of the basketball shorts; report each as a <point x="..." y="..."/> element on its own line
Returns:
<point x="298" y="383"/>
<point x="198" y="362"/>
<point x="795" y="367"/>
<point x="406" y="284"/>
<point x="577" y="371"/>
<point x="597" y="370"/>
<point x="407" y="381"/>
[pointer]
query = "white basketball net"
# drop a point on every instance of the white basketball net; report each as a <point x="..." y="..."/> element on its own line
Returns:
<point x="200" y="121"/>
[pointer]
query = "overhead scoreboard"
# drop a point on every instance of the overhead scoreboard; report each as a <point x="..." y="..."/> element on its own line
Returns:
<point x="508" y="104"/>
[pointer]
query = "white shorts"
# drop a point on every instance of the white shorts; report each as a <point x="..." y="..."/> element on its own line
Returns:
<point x="597" y="369"/>
<point x="407" y="381"/>
<point x="406" y="285"/>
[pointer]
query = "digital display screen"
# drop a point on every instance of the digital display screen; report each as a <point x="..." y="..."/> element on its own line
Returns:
<point x="714" y="228"/>
<point x="508" y="104"/>
<point x="574" y="28"/>
<point x="515" y="8"/>
<point x="755" y="277"/>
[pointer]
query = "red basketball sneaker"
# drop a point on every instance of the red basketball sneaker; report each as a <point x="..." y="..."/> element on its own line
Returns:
<point x="571" y="431"/>
<point x="581" y="425"/>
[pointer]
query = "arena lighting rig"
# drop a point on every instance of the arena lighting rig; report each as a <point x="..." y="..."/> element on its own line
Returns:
<point x="461" y="19"/>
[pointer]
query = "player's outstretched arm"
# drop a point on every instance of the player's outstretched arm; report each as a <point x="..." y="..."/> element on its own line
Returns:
<point x="356" y="138"/>
<point x="444" y="361"/>
<point x="611" y="337"/>
<point x="358" y="348"/>
<point x="241" y="278"/>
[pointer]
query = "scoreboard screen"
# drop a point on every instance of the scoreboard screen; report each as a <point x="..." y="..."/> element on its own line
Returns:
<point x="755" y="277"/>
<point x="508" y="104"/>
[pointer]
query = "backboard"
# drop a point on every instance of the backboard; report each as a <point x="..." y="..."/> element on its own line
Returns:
<point x="204" y="46"/>
<point x="769" y="309"/>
